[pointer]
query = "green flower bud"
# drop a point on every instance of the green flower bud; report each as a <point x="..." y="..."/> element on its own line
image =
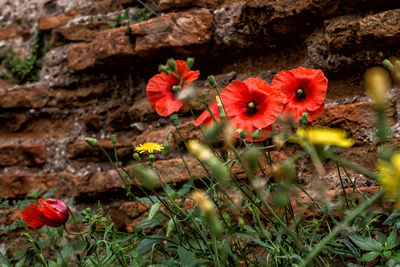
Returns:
<point x="164" y="69"/>
<point x="243" y="135"/>
<point x="174" y="120"/>
<point x="255" y="135"/>
<point x="113" y="139"/>
<point x="151" y="157"/>
<point x="220" y="171"/>
<point x="154" y="211"/>
<point x="241" y="223"/>
<point x="92" y="142"/>
<point x="213" y="82"/>
<point x="387" y="64"/>
<point x="167" y="148"/>
<point x="227" y="218"/>
<point x="170" y="227"/>
<point x="304" y="119"/>
<point x="137" y="157"/>
<point x="171" y="64"/>
<point x="189" y="62"/>
<point x="212" y="132"/>
<point x="215" y="225"/>
<point x="252" y="160"/>
<point x="147" y="176"/>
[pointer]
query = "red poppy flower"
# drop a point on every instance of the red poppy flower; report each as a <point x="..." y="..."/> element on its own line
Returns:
<point x="160" y="91"/>
<point x="252" y="104"/>
<point x="52" y="212"/>
<point x="205" y="117"/>
<point x="305" y="91"/>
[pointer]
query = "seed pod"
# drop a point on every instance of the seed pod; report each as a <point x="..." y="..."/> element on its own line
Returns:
<point x="154" y="211"/>
<point x="170" y="227"/>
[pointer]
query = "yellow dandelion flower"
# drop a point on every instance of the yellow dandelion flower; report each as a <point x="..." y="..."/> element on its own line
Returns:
<point x="325" y="136"/>
<point x="389" y="178"/>
<point x="148" y="147"/>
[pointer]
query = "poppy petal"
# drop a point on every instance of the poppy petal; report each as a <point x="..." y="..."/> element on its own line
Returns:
<point x="168" y="105"/>
<point x="312" y="115"/>
<point x="205" y="117"/>
<point x="158" y="87"/>
<point x="32" y="216"/>
<point x="235" y="97"/>
<point x="54" y="218"/>
<point x="257" y="83"/>
<point x="191" y="76"/>
<point x="285" y="82"/>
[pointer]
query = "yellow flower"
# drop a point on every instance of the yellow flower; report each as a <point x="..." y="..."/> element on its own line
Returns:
<point x="325" y="136"/>
<point x="148" y="147"/>
<point x="205" y="203"/>
<point x="389" y="178"/>
<point x="199" y="150"/>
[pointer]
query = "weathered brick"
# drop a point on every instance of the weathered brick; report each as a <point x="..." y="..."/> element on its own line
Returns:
<point x="78" y="33"/>
<point x="25" y="155"/>
<point x="19" y="185"/>
<point x="80" y="150"/>
<point x="40" y="125"/>
<point x="108" y="44"/>
<point x="179" y="30"/>
<point x="24" y="98"/>
<point x="51" y="22"/>
<point x="172" y="30"/>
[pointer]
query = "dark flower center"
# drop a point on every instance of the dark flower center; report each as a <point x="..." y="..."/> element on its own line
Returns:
<point x="301" y="94"/>
<point x="252" y="107"/>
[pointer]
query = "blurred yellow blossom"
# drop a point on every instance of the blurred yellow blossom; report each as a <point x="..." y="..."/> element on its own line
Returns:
<point x="205" y="203"/>
<point x="201" y="151"/>
<point x="377" y="81"/>
<point x="148" y="147"/>
<point x="325" y="136"/>
<point x="389" y="178"/>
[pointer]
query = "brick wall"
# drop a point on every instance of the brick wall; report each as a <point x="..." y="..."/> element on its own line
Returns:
<point x="93" y="79"/>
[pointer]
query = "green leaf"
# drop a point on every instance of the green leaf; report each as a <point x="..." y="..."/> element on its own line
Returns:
<point x="370" y="256"/>
<point x="396" y="257"/>
<point x="53" y="264"/>
<point x="393" y="219"/>
<point x="78" y="245"/>
<point x="145" y="223"/>
<point x="20" y="263"/>
<point x="146" y="244"/>
<point x="392" y="239"/>
<point x="186" y="257"/>
<point x="366" y="243"/>
<point x="19" y="254"/>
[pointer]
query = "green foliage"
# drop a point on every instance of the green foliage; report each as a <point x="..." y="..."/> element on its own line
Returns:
<point x="125" y="19"/>
<point x="27" y="69"/>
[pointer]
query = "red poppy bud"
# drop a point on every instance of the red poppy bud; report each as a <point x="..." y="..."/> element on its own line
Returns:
<point x="52" y="212"/>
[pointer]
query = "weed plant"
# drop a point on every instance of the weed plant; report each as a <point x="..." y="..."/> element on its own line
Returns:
<point x="27" y="69"/>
